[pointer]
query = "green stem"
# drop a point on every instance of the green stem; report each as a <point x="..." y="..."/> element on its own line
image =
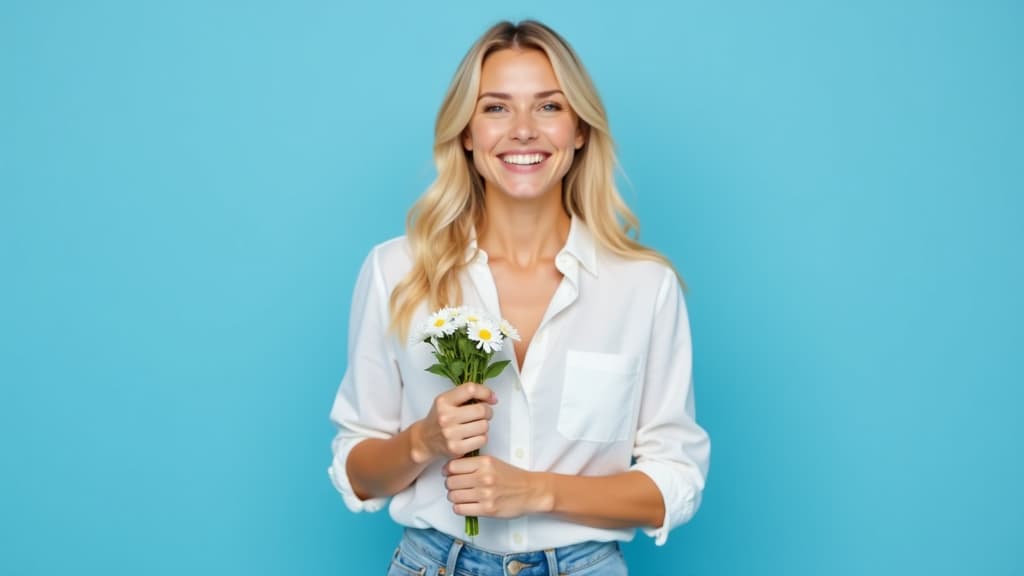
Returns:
<point x="472" y="522"/>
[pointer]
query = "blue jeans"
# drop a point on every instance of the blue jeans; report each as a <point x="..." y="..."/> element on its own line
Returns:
<point x="432" y="553"/>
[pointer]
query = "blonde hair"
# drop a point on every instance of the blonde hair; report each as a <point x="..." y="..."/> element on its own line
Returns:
<point x="440" y="223"/>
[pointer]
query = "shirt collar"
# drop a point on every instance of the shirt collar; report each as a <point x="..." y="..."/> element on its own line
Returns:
<point x="580" y="245"/>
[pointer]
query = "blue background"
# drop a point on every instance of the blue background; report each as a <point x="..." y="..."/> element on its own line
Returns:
<point x="188" y="189"/>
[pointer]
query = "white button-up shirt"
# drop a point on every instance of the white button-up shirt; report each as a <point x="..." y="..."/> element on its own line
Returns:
<point x="605" y="388"/>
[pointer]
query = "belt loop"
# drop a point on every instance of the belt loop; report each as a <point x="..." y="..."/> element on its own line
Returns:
<point x="453" y="556"/>
<point x="552" y="562"/>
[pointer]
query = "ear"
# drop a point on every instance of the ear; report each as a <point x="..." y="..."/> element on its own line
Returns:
<point x="582" y="133"/>
<point x="467" y="140"/>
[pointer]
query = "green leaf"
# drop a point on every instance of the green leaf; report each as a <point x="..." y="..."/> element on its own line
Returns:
<point x="458" y="369"/>
<point x="442" y="370"/>
<point x="447" y="345"/>
<point x="465" y="347"/>
<point x="439" y="370"/>
<point x="495" y="369"/>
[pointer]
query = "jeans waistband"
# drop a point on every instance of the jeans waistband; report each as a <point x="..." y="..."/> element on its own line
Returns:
<point x="445" y="550"/>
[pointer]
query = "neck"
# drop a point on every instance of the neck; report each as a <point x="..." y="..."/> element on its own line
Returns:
<point x="524" y="232"/>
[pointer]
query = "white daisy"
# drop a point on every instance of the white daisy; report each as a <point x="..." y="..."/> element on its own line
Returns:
<point x="487" y="336"/>
<point x="508" y="330"/>
<point x="457" y="316"/>
<point x="439" y="324"/>
<point x="466" y="317"/>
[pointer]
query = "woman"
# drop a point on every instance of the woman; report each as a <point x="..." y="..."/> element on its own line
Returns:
<point x="592" y="432"/>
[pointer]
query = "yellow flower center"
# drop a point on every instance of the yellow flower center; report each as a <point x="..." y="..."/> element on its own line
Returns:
<point x="485" y="335"/>
<point x="439" y="322"/>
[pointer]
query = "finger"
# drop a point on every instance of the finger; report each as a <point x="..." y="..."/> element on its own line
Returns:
<point x="462" y="465"/>
<point x="473" y="509"/>
<point x="470" y="444"/>
<point x="466" y="438"/>
<point x="486" y="412"/>
<point x="472" y="413"/>
<point x="465" y="414"/>
<point x="460" y="448"/>
<point x="456" y="396"/>
<point x="465" y="496"/>
<point x="460" y="482"/>
<point x="462" y="394"/>
<point x="473" y="391"/>
<point x="482" y="393"/>
<point x="467" y="431"/>
<point x="487" y="395"/>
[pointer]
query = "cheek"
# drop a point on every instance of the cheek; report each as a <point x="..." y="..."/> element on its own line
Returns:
<point x="480" y="164"/>
<point x="563" y="135"/>
<point x="483" y="137"/>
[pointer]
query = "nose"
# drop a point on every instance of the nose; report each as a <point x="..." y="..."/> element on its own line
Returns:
<point x="523" y="128"/>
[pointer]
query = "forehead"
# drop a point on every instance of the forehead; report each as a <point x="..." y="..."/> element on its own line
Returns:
<point x="515" y="70"/>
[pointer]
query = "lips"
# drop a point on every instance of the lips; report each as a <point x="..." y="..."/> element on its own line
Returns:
<point x="524" y="158"/>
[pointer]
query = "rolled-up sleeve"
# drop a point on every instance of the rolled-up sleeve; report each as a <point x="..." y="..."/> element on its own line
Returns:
<point x="368" y="401"/>
<point x="670" y="447"/>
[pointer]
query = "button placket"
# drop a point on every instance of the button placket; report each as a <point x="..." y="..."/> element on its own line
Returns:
<point x="518" y="534"/>
<point x="519" y="432"/>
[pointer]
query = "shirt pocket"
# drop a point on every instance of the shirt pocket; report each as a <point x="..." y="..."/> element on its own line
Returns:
<point x="597" y="396"/>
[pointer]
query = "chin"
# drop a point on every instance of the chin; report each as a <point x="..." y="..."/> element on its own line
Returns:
<point x="524" y="191"/>
<point x="520" y="194"/>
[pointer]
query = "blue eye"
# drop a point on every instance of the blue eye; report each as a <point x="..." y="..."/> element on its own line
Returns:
<point x="551" y="107"/>
<point x="494" y="108"/>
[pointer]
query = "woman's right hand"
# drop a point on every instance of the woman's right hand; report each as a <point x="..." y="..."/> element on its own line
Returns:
<point x="454" y="427"/>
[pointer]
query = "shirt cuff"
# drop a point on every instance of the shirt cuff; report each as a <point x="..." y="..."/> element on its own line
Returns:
<point x="681" y="499"/>
<point x="341" y="482"/>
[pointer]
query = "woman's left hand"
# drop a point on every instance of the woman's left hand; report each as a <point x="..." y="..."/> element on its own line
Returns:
<point x="487" y="486"/>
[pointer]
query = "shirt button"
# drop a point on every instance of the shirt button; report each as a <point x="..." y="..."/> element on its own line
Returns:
<point x="517" y="538"/>
<point x="520" y="453"/>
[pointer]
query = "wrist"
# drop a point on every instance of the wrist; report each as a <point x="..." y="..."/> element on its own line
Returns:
<point x="543" y="484"/>
<point x="419" y="453"/>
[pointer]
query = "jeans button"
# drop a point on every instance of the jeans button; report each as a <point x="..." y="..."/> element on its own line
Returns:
<point x="515" y="567"/>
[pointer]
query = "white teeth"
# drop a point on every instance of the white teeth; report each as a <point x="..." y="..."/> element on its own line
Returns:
<point x="523" y="159"/>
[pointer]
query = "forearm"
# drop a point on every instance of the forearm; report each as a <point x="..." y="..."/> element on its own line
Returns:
<point x="384" y="467"/>
<point x="624" y="500"/>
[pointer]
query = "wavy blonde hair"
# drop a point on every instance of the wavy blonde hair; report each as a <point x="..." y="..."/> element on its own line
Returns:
<point x="440" y="223"/>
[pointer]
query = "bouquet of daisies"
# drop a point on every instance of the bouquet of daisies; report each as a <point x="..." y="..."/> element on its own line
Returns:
<point x="463" y="342"/>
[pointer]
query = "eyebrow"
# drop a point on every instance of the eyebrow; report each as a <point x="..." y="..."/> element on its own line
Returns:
<point x="506" y="96"/>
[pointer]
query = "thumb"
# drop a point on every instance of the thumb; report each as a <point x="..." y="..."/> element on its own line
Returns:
<point x="473" y="391"/>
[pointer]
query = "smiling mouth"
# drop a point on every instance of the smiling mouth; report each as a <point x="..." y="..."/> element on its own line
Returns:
<point x="523" y="159"/>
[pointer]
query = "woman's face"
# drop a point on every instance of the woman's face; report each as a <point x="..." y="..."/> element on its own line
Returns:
<point x="523" y="135"/>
